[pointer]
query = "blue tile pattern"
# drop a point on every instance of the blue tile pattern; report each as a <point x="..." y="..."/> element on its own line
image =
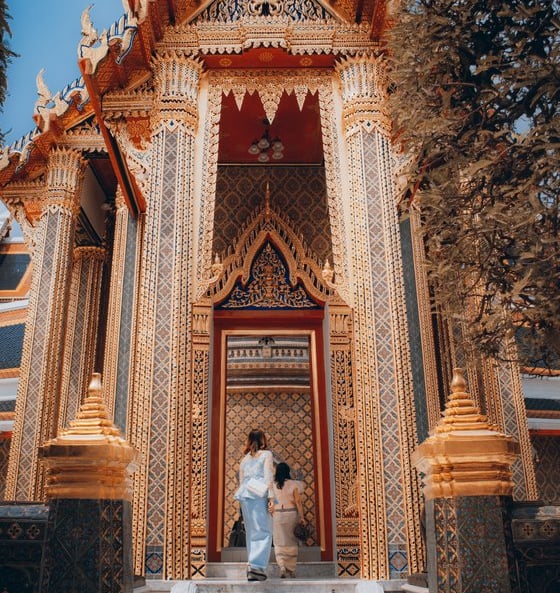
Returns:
<point x="11" y="342"/>
<point x="416" y="358"/>
<point x="89" y="547"/>
<point x="22" y="541"/>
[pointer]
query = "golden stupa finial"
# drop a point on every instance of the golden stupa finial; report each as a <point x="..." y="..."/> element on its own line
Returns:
<point x="465" y="455"/>
<point x="458" y="383"/>
<point x="461" y="412"/>
<point x="92" y="417"/>
<point x="89" y="459"/>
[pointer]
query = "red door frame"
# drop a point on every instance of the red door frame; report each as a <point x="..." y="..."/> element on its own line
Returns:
<point x="304" y="321"/>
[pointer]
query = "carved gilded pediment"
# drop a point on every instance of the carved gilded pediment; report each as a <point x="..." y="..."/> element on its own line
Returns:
<point x="268" y="285"/>
<point x="228" y="11"/>
<point x="271" y="268"/>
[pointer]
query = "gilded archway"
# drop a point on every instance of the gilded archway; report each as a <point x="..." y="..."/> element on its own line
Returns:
<point x="305" y="287"/>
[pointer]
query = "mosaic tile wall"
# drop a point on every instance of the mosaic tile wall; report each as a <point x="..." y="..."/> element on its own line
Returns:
<point x="4" y="453"/>
<point x="22" y="542"/>
<point x="297" y="192"/>
<point x="468" y="537"/>
<point x="125" y="332"/>
<point x="94" y="535"/>
<point x="286" y="419"/>
<point x="11" y="343"/>
<point x="536" y="535"/>
<point x="547" y="467"/>
<point x="414" y="337"/>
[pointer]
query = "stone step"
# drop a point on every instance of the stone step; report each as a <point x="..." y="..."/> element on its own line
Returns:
<point x="237" y="570"/>
<point x="305" y="554"/>
<point x="272" y="585"/>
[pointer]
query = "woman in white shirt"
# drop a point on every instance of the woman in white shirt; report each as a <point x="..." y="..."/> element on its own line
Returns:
<point x="288" y="512"/>
<point x="256" y="497"/>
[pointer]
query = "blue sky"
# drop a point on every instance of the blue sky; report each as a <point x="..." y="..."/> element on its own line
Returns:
<point x="45" y="34"/>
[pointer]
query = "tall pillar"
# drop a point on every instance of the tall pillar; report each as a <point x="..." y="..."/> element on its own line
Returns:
<point x="81" y="330"/>
<point x="89" y="530"/>
<point x="162" y="377"/>
<point x="496" y="388"/>
<point x="43" y="345"/>
<point x="467" y="482"/>
<point x="389" y="493"/>
<point x="121" y="326"/>
<point x="505" y="404"/>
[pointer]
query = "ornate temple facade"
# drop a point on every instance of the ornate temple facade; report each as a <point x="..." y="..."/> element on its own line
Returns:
<point x="212" y="217"/>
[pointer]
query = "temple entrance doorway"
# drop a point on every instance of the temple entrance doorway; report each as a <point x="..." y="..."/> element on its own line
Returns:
<point x="269" y="373"/>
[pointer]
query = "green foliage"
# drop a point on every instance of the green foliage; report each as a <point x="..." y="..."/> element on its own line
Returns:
<point x="475" y="105"/>
<point x="6" y="54"/>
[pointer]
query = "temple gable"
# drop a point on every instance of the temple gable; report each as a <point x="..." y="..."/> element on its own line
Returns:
<point x="269" y="286"/>
<point x="227" y="11"/>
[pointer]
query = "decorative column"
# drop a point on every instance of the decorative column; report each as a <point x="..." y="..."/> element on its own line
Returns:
<point x="162" y="375"/>
<point x="346" y="475"/>
<point x="467" y="481"/>
<point x="89" y="530"/>
<point x="496" y="387"/>
<point x="43" y="345"/>
<point x="81" y="330"/>
<point x="389" y="498"/>
<point x="505" y="403"/>
<point x="121" y="326"/>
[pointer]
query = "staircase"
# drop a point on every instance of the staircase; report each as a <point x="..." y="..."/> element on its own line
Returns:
<point x="312" y="577"/>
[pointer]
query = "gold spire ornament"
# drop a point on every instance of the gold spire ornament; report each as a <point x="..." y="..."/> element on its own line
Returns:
<point x="90" y="459"/>
<point x="465" y="455"/>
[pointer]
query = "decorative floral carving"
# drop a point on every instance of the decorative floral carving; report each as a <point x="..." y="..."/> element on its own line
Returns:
<point x="268" y="286"/>
<point x="229" y="11"/>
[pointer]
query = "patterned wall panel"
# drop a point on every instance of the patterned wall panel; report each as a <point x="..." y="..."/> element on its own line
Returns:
<point x="126" y="323"/>
<point x="536" y="534"/>
<point x="4" y="453"/>
<point x="414" y="336"/>
<point x="22" y="543"/>
<point x="470" y="544"/>
<point x="11" y="343"/>
<point x="298" y="192"/>
<point x="344" y="444"/>
<point x="547" y="467"/>
<point x="286" y="419"/>
<point x="88" y="547"/>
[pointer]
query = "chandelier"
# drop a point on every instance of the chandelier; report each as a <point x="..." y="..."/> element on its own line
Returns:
<point x="266" y="147"/>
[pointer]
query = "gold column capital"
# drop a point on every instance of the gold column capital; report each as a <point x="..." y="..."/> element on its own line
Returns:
<point x="65" y="174"/>
<point x="89" y="459"/>
<point x="363" y="83"/>
<point x="465" y="455"/>
<point x="177" y="79"/>
<point x="90" y="252"/>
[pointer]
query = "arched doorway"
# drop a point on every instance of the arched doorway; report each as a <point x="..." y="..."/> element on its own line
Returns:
<point x="293" y="416"/>
<point x="270" y="299"/>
